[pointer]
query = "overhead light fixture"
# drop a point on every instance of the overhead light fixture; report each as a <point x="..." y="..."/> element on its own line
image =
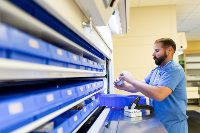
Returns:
<point x="179" y="51"/>
<point x="114" y="23"/>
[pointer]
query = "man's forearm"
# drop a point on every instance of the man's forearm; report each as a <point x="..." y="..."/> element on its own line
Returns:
<point x="131" y="88"/>
<point x="148" y="90"/>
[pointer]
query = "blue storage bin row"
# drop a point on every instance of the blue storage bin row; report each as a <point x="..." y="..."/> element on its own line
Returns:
<point x="65" y="123"/>
<point x="68" y="121"/>
<point x="17" y="45"/>
<point x="94" y="86"/>
<point x="22" y="108"/>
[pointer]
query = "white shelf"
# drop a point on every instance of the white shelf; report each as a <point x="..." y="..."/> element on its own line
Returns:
<point x="193" y="65"/>
<point x="192" y="95"/>
<point x="26" y="22"/>
<point x="192" y="59"/>
<point x="12" y="70"/>
<point x="80" y="125"/>
<point x="193" y="78"/>
<point x="192" y="89"/>
<point x="33" y="125"/>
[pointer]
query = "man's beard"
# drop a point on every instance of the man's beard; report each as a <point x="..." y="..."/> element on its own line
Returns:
<point x="158" y="61"/>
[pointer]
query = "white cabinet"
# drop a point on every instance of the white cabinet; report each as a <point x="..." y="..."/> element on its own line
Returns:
<point x="192" y="69"/>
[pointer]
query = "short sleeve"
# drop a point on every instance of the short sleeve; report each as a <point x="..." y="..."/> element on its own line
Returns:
<point x="148" y="78"/>
<point x="170" y="79"/>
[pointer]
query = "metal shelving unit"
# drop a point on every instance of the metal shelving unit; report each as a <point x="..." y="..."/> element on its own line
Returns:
<point x="15" y="70"/>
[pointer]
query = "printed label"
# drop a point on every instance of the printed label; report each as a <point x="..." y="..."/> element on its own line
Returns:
<point x="50" y="97"/>
<point x="81" y="88"/>
<point x="90" y="62"/>
<point x="88" y="86"/>
<point x="94" y="84"/>
<point x="15" y="108"/>
<point x="99" y="84"/>
<point x="59" y="52"/>
<point x="84" y="60"/>
<point x="75" y="118"/>
<point x="33" y="44"/>
<point x="60" y="130"/>
<point x="85" y="109"/>
<point x="69" y="92"/>
<point x="74" y="57"/>
<point x="93" y="98"/>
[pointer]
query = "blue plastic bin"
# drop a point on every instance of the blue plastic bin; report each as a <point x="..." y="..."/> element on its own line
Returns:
<point x="94" y="86"/>
<point x="95" y="66"/>
<point x="73" y="117"/>
<point x="47" y="101"/>
<point x="74" y="59"/>
<point x="85" y="111"/>
<point x="59" y="57"/>
<point x="17" y="109"/>
<point x="81" y="90"/>
<point x="100" y="85"/>
<point x="68" y="93"/>
<point x="88" y="87"/>
<point x="60" y="125"/>
<point x="27" y="48"/>
<point x="84" y="61"/>
<point x="93" y="105"/>
<point x="5" y="43"/>
<point x="99" y="67"/>
<point x="91" y="65"/>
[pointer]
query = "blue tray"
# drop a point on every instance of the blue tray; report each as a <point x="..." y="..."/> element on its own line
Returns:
<point x="119" y="101"/>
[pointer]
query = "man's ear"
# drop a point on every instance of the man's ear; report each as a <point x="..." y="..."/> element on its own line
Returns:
<point x="169" y="50"/>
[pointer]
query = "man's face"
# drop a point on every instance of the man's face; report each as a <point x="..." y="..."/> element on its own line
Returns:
<point x="159" y="54"/>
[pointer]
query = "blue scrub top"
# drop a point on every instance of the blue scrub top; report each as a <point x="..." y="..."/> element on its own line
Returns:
<point x="172" y="110"/>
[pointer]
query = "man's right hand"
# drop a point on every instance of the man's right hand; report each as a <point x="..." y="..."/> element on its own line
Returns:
<point x="121" y="87"/>
<point x="126" y="87"/>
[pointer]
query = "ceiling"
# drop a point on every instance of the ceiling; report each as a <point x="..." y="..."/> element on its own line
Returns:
<point x="188" y="14"/>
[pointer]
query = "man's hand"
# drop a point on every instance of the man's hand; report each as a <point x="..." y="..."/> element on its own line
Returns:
<point x="121" y="87"/>
<point x="126" y="87"/>
<point x="126" y="76"/>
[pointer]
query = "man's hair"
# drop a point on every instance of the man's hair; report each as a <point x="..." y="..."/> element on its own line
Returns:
<point x="166" y="42"/>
